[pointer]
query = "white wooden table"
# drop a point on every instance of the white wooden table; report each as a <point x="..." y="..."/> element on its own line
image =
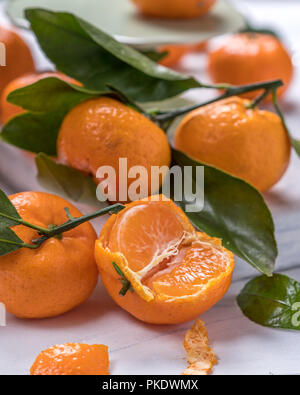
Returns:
<point x="135" y="348"/>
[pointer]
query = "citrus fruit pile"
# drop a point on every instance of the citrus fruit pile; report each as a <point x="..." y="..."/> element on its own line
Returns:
<point x="151" y="259"/>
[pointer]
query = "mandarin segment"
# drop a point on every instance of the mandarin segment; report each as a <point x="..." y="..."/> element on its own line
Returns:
<point x="248" y="58"/>
<point x="183" y="274"/>
<point x="248" y="143"/>
<point x="174" y="8"/>
<point x="102" y="131"/>
<point x="56" y="277"/>
<point x="72" y="359"/>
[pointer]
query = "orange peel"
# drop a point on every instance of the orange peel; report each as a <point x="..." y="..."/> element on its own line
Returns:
<point x="200" y="356"/>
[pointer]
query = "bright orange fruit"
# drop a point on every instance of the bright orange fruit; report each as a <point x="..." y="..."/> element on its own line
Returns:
<point x="175" y="54"/>
<point x="174" y="8"/>
<point x="99" y="132"/>
<point x="56" y="277"/>
<point x="8" y="110"/>
<point x="176" y="273"/>
<point x="72" y="359"/>
<point x="248" y="58"/>
<point x="248" y="143"/>
<point x="19" y="60"/>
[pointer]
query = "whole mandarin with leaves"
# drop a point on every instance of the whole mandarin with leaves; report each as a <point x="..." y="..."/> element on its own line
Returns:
<point x="173" y="273"/>
<point x="252" y="144"/>
<point x="101" y="131"/>
<point x="248" y="58"/>
<point x="72" y="359"/>
<point x="9" y="110"/>
<point x="18" y="60"/>
<point x="60" y="274"/>
<point x="174" y="8"/>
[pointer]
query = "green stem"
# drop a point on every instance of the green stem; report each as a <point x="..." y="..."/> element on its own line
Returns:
<point x="25" y="223"/>
<point x="229" y="92"/>
<point x="25" y="245"/>
<point x="259" y="99"/>
<point x="74" y="222"/>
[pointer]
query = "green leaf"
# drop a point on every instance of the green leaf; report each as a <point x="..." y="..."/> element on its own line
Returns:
<point x="9" y="241"/>
<point x="8" y="214"/>
<point x="65" y="181"/>
<point x="49" y="99"/>
<point x="272" y="302"/>
<point x="296" y="145"/>
<point x="94" y="58"/>
<point x="154" y="55"/>
<point x="251" y="29"/>
<point x="33" y="132"/>
<point x="50" y="95"/>
<point x="235" y="212"/>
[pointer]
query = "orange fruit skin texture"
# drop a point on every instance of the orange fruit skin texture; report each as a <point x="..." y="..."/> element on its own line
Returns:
<point x="72" y="359"/>
<point x="248" y="58"/>
<point x="175" y="54"/>
<point x="9" y="110"/>
<point x="99" y="132"/>
<point x="56" y="277"/>
<point x="19" y="60"/>
<point x="172" y="309"/>
<point x="184" y="9"/>
<point x="250" y="144"/>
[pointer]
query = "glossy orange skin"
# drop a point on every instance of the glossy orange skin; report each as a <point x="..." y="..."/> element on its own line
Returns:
<point x="200" y="47"/>
<point x="19" y="60"/>
<point x="8" y="110"/>
<point x="177" y="9"/>
<point x="101" y="131"/>
<point x="250" y="144"/>
<point x="248" y="58"/>
<point x="72" y="359"/>
<point x="56" y="277"/>
<point x="159" y="311"/>
<point x="175" y="54"/>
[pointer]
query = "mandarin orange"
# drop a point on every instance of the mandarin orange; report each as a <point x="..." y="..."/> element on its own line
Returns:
<point x="19" y="60"/>
<point x="100" y="132"/>
<point x="175" y="54"/>
<point x="176" y="274"/>
<point x="248" y="143"/>
<point x="174" y="8"/>
<point x="56" y="277"/>
<point x="248" y="58"/>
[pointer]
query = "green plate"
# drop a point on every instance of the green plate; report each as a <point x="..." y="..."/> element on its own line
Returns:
<point x="121" y="19"/>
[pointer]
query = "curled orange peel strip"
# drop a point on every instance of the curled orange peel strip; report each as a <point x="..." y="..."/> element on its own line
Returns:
<point x="200" y="356"/>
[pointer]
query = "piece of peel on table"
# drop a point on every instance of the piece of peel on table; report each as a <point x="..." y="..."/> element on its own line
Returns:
<point x="200" y="356"/>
